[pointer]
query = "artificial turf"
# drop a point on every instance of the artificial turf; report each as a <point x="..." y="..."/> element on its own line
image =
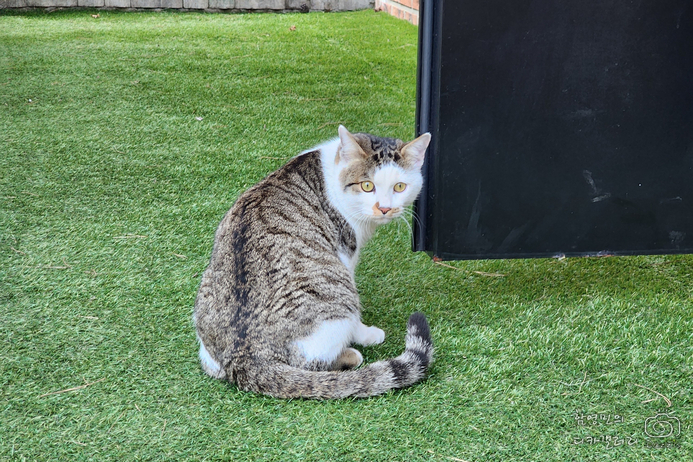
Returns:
<point x="123" y="141"/>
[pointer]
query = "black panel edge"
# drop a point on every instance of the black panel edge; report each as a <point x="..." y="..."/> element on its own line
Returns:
<point x="427" y="102"/>
<point x="447" y="256"/>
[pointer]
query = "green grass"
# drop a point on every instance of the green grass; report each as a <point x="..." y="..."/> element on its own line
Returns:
<point x="110" y="192"/>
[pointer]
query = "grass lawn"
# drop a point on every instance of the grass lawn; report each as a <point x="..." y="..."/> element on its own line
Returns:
<point x="123" y="141"/>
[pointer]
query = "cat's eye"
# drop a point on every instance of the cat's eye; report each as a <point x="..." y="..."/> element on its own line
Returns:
<point x="399" y="187"/>
<point x="367" y="186"/>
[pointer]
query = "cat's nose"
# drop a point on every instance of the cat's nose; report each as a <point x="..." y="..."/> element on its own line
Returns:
<point x="384" y="209"/>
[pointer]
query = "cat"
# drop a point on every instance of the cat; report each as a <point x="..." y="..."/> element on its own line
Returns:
<point x="277" y="308"/>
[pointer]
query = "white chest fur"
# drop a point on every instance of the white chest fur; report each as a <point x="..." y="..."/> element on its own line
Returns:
<point x="350" y="262"/>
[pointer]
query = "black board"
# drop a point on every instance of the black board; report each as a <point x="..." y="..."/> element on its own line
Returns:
<point x="559" y="128"/>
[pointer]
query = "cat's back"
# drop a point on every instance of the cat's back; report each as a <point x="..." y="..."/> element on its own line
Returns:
<point x="279" y="243"/>
<point x="289" y="204"/>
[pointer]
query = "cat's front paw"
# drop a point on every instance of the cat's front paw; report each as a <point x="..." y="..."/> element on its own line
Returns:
<point x="371" y="336"/>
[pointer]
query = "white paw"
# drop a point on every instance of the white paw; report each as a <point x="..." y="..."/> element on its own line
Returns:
<point x="359" y="357"/>
<point x="372" y="336"/>
<point x="356" y="358"/>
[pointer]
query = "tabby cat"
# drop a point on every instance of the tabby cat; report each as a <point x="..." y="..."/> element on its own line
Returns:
<point x="277" y="309"/>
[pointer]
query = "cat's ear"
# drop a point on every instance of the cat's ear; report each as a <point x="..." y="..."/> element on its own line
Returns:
<point x="350" y="148"/>
<point x="415" y="151"/>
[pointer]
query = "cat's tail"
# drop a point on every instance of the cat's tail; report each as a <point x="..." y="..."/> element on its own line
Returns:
<point x="284" y="381"/>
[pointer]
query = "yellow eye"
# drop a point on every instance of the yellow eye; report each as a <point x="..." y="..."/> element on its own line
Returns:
<point x="399" y="187"/>
<point x="367" y="186"/>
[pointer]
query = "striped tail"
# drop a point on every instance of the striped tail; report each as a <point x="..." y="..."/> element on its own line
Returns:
<point x="284" y="381"/>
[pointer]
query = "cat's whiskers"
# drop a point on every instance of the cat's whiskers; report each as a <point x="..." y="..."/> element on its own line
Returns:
<point x="404" y="219"/>
<point x="412" y="214"/>
<point x="354" y="216"/>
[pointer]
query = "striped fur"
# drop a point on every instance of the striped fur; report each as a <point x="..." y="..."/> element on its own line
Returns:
<point x="278" y="309"/>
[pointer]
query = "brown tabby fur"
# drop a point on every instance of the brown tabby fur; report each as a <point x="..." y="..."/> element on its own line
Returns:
<point x="275" y="275"/>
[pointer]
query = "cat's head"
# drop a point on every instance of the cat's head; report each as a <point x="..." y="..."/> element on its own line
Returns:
<point x="379" y="177"/>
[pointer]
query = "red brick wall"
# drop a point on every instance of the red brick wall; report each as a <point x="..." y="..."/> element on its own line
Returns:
<point x="403" y="9"/>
